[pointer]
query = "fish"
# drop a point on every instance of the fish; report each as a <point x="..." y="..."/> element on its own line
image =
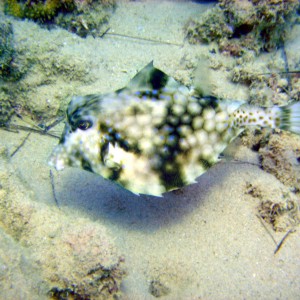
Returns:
<point x="157" y="135"/>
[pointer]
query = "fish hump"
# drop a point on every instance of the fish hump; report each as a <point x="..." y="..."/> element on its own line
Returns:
<point x="150" y="78"/>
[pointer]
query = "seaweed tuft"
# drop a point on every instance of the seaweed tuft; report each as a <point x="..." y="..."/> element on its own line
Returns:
<point x="82" y="17"/>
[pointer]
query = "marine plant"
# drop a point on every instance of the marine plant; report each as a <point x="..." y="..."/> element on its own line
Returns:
<point x="84" y="20"/>
<point x="82" y="17"/>
<point x="6" y="49"/>
<point x="38" y="9"/>
<point x="8" y="70"/>
<point x="6" y="110"/>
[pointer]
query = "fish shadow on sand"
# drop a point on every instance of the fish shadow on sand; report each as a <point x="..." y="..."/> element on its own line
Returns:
<point x="102" y="199"/>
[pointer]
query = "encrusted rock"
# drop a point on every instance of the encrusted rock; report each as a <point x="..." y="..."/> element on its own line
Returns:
<point x="74" y="255"/>
<point x="245" y="24"/>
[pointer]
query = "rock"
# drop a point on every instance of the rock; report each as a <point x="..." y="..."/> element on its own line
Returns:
<point x="281" y="157"/>
<point x="158" y="289"/>
<point x="74" y="255"/>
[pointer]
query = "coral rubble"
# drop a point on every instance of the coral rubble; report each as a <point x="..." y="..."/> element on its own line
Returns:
<point x="279" y="208"/>
<point x="84" y="20"/>
<point x="281" y="157"/>
<point x="279" y="154"/>
<point x="238" y="25"/>
<point x="254" y="36"/>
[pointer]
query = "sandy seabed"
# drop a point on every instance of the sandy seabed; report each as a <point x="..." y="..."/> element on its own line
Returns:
<point x="205" y="241"/>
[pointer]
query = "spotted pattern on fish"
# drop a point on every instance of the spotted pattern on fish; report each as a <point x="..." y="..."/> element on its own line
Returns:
<point x="156" y="135"/>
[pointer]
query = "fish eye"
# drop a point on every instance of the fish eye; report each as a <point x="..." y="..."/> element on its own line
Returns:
<point x="84" y="124"/>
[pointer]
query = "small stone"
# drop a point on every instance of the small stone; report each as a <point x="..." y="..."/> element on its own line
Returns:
<point x="158" y="289"/>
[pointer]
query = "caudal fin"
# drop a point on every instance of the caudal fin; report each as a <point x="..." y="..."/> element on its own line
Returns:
<point x="290" y="117"/>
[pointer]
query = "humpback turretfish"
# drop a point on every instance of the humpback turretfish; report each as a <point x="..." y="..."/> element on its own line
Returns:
<point x="156" y="135"/>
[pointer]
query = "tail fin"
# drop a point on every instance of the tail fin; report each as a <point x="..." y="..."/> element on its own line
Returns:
<point x="290" y="117"/>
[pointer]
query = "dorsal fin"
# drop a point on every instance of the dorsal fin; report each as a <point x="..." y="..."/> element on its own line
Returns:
<point x="150" y="78"/>
<point x="203" y="83"/>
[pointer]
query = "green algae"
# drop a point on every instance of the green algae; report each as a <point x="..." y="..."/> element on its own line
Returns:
<point x="80" y="17"/>
<point x="37" y="10"/>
